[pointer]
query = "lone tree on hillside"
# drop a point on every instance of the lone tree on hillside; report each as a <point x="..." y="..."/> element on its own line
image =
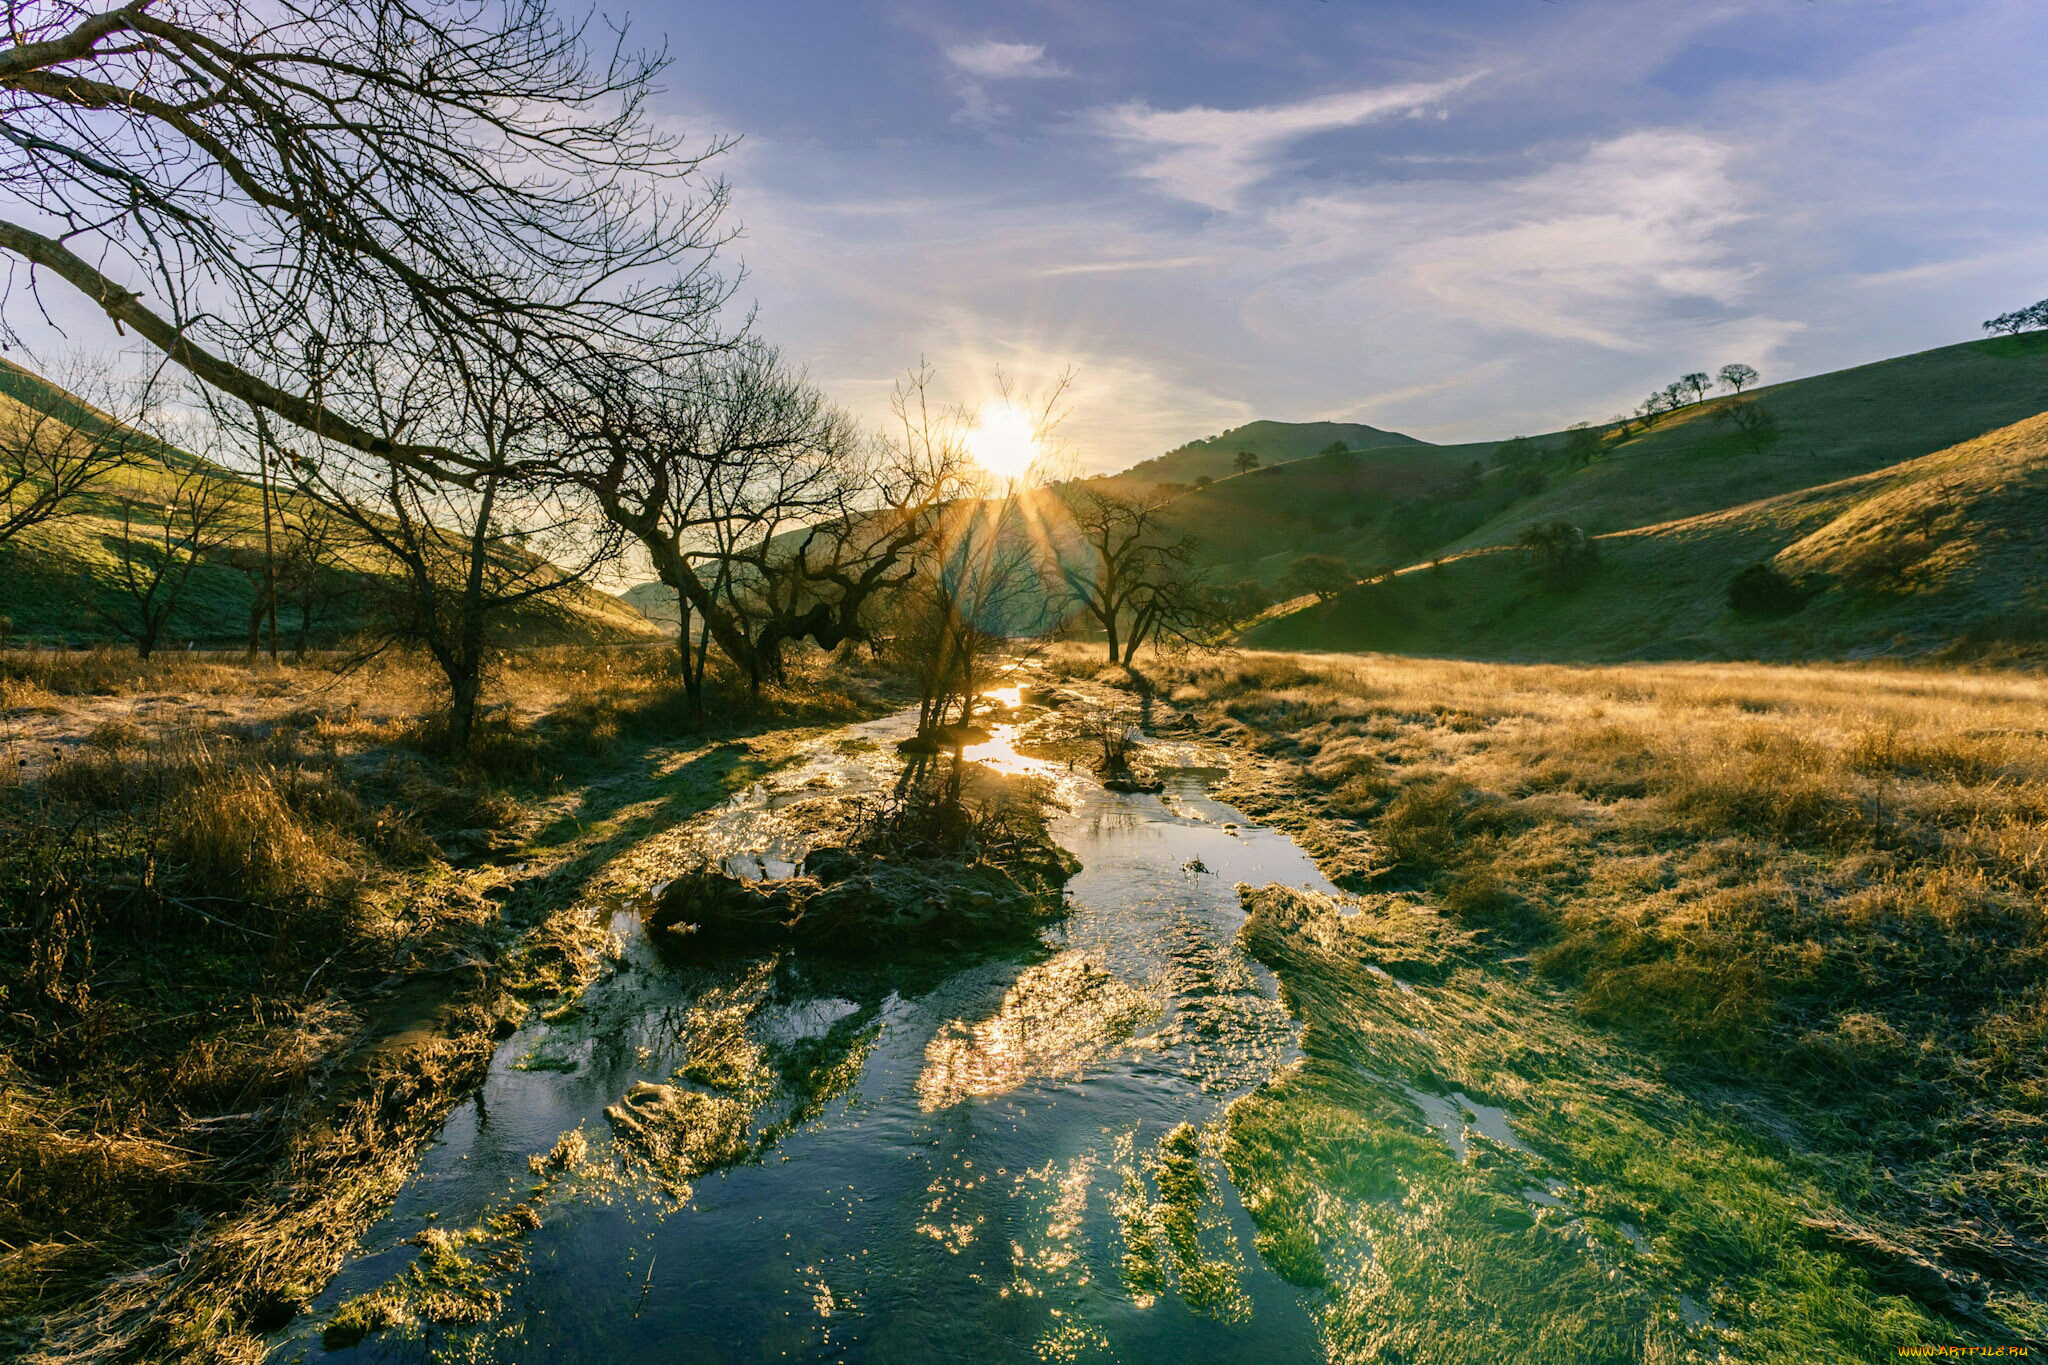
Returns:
<point x="1335" y="448"/>
<point x="1245" y="462"/>
<point x="1323" y="576"/>
<point x="1141" y="582"/>
<point x="2031" y="318"/>
<point x="1583" y="442"/>
<point x="1697" y="383"/>
<point x="1519" y="450"/>
<point x="1738" y="377"/>
<point x="1560" y="552"/>
<point x="1757" y="424"/>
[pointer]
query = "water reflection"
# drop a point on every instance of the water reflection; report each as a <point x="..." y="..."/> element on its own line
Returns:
<point x="929" y="1157"/>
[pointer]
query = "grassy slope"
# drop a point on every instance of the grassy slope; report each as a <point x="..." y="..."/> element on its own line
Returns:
<point x="61" y="578"/>
<point x="1272" y="442"/>
<point x="1251" y="525"/>
<point x="1970" y="521"/>
<point x="1678" y="510"/>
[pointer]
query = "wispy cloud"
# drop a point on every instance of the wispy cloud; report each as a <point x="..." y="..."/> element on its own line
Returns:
<point x="1126" y="266"/>
<point x="1211" y="156"/>
<point x="998" y="61"/>
<point x="974" y="65"/>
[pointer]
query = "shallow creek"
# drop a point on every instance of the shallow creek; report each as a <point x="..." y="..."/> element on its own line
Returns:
<point x="950" y="1158"/>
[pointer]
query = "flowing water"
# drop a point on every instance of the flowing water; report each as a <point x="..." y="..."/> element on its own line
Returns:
<point x="956" y="1159"/>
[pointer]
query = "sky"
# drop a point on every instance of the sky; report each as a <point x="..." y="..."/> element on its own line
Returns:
<point x="1457" y="220"/>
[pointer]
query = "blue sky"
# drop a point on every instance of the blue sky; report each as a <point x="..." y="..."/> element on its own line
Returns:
<point x="1462" y="220"/>
<point x="1458" y="220"/>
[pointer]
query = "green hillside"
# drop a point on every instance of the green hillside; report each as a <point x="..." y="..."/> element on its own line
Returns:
<point x="59" y="581"/>
<point x="1829" y="427"/>
<point x="1252" y="525"/>
<point x="1943" y="553"/>
<point x="656" y="601"/>
<point x="1273" y="442"/>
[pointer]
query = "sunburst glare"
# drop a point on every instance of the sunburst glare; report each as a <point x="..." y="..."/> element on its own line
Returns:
<point x="1004" y="440"/>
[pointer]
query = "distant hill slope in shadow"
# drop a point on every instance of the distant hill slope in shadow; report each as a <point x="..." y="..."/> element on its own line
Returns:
<point x="1942" y="554"/>
<point x="1214" y="457"/>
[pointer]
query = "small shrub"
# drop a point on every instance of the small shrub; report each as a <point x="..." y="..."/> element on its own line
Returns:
<point x="1764" y="590"/>
<point x="1560" y="552"/>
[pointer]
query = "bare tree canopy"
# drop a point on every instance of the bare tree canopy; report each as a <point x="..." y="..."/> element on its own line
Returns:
<point x="48" y="458"/>
<point x="243" y="184"/>
<point x="755" y="500"/>
<point x="1141" y="581"/>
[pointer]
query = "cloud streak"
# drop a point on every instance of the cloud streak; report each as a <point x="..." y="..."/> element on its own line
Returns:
<point x="1212" y="156"/>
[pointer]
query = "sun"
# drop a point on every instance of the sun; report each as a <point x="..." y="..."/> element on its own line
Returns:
<point x="1003" y="441"/>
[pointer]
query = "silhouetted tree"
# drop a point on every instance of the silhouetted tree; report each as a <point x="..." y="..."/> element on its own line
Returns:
<point x="174" y="517"/>
<point x="1141" y="582"/>
<point x="1323" y="576"/>
<point x="244" y="186"/>
<point x="1738" y="377"/>
<point x="1245" y="462"/>
<point x="1697" y="383"/>
<point x="2028" y="319"/>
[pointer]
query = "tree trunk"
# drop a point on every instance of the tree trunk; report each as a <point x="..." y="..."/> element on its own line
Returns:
<point x="463" y="695"/>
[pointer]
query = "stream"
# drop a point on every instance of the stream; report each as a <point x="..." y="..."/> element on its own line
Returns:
<point x="952" y="1158"/>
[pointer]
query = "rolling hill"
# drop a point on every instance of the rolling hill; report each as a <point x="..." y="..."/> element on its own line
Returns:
<point x="1942" y="554"/>
<point x="1273" y="442"/>
<point x="58" y="581"/>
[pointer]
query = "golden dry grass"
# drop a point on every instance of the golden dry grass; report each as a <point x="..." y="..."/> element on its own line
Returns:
<point x="1823" y="885"/>
<point x="206" y="870"/>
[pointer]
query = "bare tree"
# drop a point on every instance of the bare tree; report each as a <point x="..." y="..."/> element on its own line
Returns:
<point x="244" y="186"/>
<point x="462" y="558"/>
<point x="1738" y="377"/>
<point x="1697" y="383"/>
<point x="757" y="502"/>
<point x="1140" y="580"/>
<point x="48" y="458"/>
<point x="311" y="572"/>
<point x="174" y="517"/>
